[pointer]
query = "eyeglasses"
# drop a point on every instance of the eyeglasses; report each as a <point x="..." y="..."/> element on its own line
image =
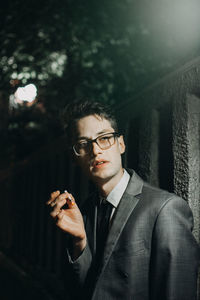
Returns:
<point x="104" y="141"/>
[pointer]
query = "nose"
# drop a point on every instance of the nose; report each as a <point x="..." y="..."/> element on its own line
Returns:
<point x="95" y="149"/>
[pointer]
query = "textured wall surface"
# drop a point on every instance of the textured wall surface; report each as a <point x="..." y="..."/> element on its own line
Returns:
<point x="193" y="137"/>
<point x="169" y="135"/>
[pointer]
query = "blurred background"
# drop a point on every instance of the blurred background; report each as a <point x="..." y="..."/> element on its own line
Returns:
<point x="107" y="51"/>
<point x="141" y="57"/>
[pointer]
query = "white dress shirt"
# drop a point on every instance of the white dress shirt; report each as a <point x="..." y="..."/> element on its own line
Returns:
<point x="115" y="195"/>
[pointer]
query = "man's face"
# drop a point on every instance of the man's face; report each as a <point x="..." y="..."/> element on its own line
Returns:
<point x="100" y="165"/>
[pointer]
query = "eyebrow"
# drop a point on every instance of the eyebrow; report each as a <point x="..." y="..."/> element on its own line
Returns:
<point x="104" y="131"/>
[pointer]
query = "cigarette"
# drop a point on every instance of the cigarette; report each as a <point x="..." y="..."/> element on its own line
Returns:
<point x="69" y="197"/>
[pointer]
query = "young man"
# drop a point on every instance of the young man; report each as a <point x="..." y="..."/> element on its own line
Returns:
<point x="147" y="251"/>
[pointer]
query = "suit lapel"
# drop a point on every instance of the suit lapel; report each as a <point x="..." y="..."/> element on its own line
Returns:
<point x="122" y="213"/>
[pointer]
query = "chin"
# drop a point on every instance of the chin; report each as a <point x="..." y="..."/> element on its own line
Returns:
<point x="103" y="177"/>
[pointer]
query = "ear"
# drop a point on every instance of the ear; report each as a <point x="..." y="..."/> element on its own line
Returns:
<point x="122" y="146"/>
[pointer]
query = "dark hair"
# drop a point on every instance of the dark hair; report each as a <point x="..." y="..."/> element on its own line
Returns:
<point x="77" y="110"/>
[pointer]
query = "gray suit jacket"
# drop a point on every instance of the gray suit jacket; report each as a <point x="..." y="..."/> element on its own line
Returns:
<point x="150" y="252"/>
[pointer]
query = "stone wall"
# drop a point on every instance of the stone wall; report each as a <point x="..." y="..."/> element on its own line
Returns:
<point x="163" y="124"/>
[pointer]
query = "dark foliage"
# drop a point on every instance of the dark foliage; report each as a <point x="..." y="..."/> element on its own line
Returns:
<point x="102" y="50"/>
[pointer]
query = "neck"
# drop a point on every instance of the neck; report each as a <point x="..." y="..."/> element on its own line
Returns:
<point x="106" y="186"/>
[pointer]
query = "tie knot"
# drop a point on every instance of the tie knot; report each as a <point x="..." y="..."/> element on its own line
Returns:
<point x="102" y="200"/>
<point x="105" y="205"/>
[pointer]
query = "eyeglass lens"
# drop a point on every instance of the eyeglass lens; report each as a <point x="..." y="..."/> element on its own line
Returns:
<point x="104" y="142"/>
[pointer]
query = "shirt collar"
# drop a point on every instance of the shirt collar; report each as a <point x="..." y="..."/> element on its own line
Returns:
<point x="115" y="195"/>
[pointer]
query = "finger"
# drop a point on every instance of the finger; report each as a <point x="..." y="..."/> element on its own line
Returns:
<point x="53" y="196"/>
<point x="60" y="214"/>
<point x="58" y="200"/>
<point x="59" y="203"/>
<point x="59" y="220"/>
<point x="54" y="213"/>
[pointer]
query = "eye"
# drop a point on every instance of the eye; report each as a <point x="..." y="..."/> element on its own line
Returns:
<point x="82" y="144"/>
<point x="105" y="138"/>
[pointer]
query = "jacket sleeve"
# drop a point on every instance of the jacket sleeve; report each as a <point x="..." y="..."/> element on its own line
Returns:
<point x="175" y="254"/>
<point x="81" y="266"/>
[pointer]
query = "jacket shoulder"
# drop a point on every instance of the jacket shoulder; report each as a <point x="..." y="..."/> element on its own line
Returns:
<point x="148" y="191"/>
<point x="161" y="198"/>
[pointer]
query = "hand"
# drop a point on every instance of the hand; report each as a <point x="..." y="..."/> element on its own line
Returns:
<point x="69" y="220"/>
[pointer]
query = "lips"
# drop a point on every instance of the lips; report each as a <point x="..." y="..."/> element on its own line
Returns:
<point x="99" y="163"/>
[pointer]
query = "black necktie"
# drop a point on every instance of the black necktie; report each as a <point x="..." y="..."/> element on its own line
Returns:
<point x="103" y="219"/>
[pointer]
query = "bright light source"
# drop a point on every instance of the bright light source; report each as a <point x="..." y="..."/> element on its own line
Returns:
<point x="27" y="93"/>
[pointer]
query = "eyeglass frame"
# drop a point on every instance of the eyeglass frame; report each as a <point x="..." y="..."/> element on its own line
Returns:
<point x="91" y="141"/>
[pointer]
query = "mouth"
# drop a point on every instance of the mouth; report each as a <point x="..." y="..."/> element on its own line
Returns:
<point x="99" y="163"/>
